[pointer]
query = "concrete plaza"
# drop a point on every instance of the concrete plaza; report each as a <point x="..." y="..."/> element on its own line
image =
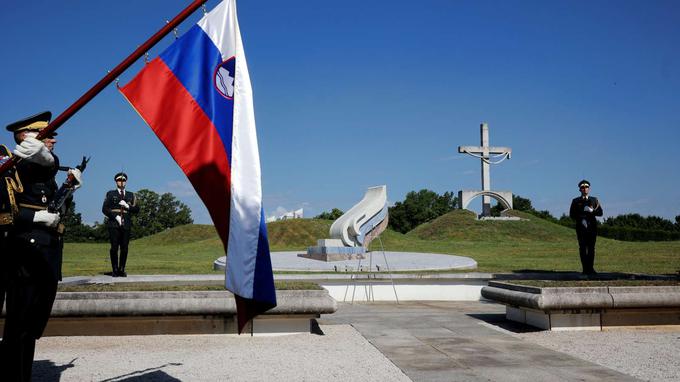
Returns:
<point x="418" y="341"/>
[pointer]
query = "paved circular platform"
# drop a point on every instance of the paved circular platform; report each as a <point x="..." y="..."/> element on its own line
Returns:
<point x="397" y="261"/>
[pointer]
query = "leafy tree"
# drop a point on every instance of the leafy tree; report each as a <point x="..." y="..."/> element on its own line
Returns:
<point x="75" y="230"/>
<point x="99" y="232"/>
<point x="677" y="222"/>
<point x="332" y="215"/>
<point x="158" y="212"/>
<point x="420" y="207"/>
<point x="524" y="204"/>
<point x="566" y="221"/>
<point x="640" y="222"/>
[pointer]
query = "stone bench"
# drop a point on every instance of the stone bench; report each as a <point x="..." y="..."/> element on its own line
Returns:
<point x="180" y="312"/>
<point x="587" y="308"/>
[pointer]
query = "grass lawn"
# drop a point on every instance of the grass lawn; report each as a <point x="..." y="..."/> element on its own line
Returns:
<point x="531" y="244"/>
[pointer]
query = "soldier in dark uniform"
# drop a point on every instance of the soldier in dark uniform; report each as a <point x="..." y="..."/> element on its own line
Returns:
<point x="34" y="244"/>
<point x="8" y="184"/>
<point x="583" y="211"/>
<point x="118" y="205"/>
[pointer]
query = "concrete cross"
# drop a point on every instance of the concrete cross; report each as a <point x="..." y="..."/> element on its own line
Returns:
<point x="484" y="153"/>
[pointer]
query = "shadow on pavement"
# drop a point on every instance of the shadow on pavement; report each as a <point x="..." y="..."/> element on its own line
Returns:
<point x="570" y="275"/>
<point x="153" y="374"/>
<point x="44" y="370"/>
<point x="48" y="371"/>
<point x="499" y="320"/>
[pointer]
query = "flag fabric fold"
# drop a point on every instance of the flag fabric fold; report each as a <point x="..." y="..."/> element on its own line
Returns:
<point x="197" y="97"/>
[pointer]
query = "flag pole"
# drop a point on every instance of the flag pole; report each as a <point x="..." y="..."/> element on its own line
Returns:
<point x="110" y="77"/>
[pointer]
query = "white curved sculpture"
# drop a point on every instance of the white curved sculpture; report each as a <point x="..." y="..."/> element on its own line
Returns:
<point x="354" y="225"/>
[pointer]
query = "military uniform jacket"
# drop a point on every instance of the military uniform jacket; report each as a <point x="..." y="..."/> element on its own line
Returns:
<point x="111" y="208"/>
<point x="577" y="213"/>
<point x="8" y="186"/>
<point x="38" y="189"/>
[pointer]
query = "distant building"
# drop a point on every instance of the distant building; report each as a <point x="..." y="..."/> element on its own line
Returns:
<point x="297" y="214"/>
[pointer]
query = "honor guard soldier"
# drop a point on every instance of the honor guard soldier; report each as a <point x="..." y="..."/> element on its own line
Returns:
<point x="118" y="205"/>
<point x="583" y="211"/>
<point x="8" y="185"/>
<point x="34" y="244"/>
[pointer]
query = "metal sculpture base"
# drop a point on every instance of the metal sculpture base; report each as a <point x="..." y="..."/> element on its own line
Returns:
<point x="370" y="277"/>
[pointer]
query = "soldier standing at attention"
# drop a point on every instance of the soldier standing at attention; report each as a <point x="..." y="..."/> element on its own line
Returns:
<point x="34" y="245"/>
<point x="583" y="211"/>
<point x="117" y="207"/>
<point x="7" y="181"/>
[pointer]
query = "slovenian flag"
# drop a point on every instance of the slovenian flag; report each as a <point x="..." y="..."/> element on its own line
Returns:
<point x="197" y="98"/>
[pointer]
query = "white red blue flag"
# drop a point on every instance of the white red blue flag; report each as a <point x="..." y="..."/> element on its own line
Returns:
<point x="197" y="98"/>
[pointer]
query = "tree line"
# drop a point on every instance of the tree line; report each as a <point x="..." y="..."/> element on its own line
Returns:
<point x="426" y="205"/>
<point x="626" y="227"/>
<point x="156" y="213"/>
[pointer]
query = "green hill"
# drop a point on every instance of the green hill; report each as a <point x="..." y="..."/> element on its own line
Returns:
<point x="461" y="225"/>
<point x="458" y="225"/>
<point x="297" y="233"/>
<point x="183" y="234"/>
<point x="497" y="246"/>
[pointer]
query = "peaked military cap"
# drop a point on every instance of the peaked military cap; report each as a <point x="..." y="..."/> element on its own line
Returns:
<point x="584" y="183"/>
<point x="33" y="123"/>
<point x="120" y="175"/>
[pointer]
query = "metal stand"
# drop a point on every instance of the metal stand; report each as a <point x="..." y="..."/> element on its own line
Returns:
<point x="368" y="287"/>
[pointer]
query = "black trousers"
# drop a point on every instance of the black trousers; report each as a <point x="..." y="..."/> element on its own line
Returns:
<point x="31" y="290"/>
<point x="3" y="270"/>
<point x="586" y="248"/>
<point x="120" y="238"/>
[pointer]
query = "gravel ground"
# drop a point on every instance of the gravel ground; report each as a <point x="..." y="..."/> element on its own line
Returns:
<point x="342" y="354"/>
<point x="650" y="355"/>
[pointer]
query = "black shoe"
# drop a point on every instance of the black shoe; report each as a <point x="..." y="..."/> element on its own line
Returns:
<point x="114" y="274"/>
<point x="122" y="274"/>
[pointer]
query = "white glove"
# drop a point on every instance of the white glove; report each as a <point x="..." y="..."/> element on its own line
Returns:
<point x="78" y="176"/>
<point x="119" y="220"/>
<point x="46" y="218"/>
<point x="124" y="204"/>
<point x="584" y="223"/>
<point x="34" y="151"/>
<point x="588" y="209"/>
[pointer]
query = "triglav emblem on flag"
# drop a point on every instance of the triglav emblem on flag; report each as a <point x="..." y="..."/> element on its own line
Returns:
<point x="197" y="98"/>
<point x="224" y="78"/>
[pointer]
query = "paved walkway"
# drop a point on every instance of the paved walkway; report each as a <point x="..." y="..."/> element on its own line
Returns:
<point x="461" y="341"/>
<point x="420" y="341"/>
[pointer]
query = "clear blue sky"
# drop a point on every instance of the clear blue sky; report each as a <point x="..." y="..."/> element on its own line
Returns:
<point x="354" y="94"/>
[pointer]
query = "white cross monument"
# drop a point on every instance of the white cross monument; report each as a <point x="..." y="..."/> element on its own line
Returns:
<point x="488" y="155"/>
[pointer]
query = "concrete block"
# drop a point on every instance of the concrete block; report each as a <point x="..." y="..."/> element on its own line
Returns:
<point x="640" y="317"/>
<point x="515" y="314"/>
<point x="329" y="243"/>
<point x="575" y="321"/>
<point x="405" y="291"/>
<point x="270" y="326"/>
<point x="537" y="319"/>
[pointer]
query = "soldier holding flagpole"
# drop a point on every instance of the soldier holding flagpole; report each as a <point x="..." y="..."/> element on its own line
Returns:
<point x="33" y="255"/>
